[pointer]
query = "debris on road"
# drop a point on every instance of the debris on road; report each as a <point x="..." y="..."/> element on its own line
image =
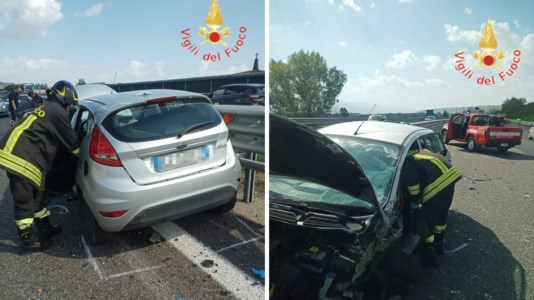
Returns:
<point x="208" y="263"/>
<point x="155" y="238"/>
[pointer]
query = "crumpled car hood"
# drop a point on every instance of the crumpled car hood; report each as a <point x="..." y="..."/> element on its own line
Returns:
<point x="301" y="152"/>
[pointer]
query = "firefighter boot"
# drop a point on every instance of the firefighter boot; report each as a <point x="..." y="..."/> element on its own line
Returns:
<point x="47" y="230"/>
<point x="30" y="242"/>
<point x="438" y="240"/>
<point x="429" y="258"/>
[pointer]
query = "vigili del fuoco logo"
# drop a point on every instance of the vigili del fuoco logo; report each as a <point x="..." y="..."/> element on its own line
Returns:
<point x="213" y="34"/>
<point x="489" y="58"/>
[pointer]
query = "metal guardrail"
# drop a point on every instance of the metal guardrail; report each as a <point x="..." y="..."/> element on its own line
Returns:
<point x="434" y="125"/>
<point x="247" y="132"/>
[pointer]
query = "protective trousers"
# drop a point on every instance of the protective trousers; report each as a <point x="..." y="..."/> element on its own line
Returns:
<point x="435" y="213"/>
<point x="29" y="202"/>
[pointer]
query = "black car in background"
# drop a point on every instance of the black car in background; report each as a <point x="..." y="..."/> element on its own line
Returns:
<point x="240" y="94"/>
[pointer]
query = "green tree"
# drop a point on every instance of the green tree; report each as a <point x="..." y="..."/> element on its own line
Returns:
<point x="343" y="112"/>
<point x="304" y="86"/>
<point x="445" y="114"/>
<point x="514" y="107"/>
<point x="11" y="87"/>
<point x="81" y="81"/>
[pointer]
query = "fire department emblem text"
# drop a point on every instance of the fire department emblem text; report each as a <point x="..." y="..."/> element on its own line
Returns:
<point x="488" y="58"/>
<point x="215" y="35"/>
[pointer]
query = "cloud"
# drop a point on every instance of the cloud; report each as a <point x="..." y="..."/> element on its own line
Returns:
<point x="407" y="58"/>
<point x="455" y="34"/>
<point x="402" y="59"/>
<point x="343" y="43"/>
<point x="379" y="80"/>
<point x="405" y="1"/>
<point x="516" y="23"/>
<point x="331" y="2"/>
<point x="42" y="70"/>
<point x="92" y="11"/>
<point x="468" y="10"/>
<point x="431" y="61"/>
<point x="25" y="19"/>
<point x="437" y="82"/>
<point x="350" y="4"/>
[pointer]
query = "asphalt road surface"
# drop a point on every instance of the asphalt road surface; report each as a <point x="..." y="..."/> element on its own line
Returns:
<point x="204" y="256"/>
<point x="490" y="235"/>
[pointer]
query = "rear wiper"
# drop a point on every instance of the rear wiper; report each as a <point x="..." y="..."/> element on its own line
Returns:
<point x="194" y="127"/>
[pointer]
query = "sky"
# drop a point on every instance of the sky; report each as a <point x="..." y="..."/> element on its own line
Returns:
<point x="43" y="41"/>
<point x="400" y="54"/>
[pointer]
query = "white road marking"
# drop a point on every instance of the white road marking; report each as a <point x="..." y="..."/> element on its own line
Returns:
<point x="239" y="244"/>
<point x="248" y="227"/>
<point x="62" y="209"/>
<point x="132" y="272"/>
<point x="456" y="249"/>
<point x="92" y="259"/>
<point x="228" y="275"/>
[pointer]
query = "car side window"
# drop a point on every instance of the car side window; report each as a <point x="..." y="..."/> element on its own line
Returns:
<point x="457" y="120"/>
<point x="84" y="121"/>
<point x="432" y="143"/>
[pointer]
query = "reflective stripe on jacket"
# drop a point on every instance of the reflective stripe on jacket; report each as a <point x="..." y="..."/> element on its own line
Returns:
<point x="427" y="174"/>
<point x="28" y="149"/>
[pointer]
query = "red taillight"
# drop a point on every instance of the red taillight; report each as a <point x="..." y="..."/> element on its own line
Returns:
<point x="101" y="150"/>
<point x="253" y="97"/>
<point x="113" y="214"/>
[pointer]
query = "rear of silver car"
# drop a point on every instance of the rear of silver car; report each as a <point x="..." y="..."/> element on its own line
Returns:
<point x="151" y="157"/>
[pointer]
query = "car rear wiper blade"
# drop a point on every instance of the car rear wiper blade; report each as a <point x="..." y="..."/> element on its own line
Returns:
<point x="194" y="127"/>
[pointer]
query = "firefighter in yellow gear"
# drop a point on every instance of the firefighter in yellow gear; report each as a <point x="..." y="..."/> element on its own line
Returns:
<point x="27" y="152"/>
<point x="429" y="179"/>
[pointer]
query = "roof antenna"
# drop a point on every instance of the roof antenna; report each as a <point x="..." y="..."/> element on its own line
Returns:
<point x="356" y="133"/>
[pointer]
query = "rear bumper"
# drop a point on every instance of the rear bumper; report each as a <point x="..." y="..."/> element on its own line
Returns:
<point x="496" y="143"/>
<point x="108" y="189"/>
<point x="182" y="208"/>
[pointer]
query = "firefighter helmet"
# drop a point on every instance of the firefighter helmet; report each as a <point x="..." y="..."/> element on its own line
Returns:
<point x="63" y="92"/>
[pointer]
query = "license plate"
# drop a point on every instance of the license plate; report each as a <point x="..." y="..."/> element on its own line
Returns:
<point x="504" y="144"/>
<point x="182" y="158"/>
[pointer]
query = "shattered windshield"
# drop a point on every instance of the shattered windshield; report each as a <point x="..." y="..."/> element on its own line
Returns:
<point x="378" y="160"/>
<point x="283" y="188"/>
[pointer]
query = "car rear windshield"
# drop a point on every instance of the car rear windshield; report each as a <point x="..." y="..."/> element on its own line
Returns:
<point x="152" y="121"/>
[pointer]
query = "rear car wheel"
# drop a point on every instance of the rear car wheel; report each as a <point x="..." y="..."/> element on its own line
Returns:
<point x="225" y="207"/>
<point x="444" y="137"/>
<point x="92" y="230"/>
<point x="471" y="146"/>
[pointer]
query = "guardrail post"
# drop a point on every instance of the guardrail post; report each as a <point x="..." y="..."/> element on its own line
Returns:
<point x="250" y="178"/>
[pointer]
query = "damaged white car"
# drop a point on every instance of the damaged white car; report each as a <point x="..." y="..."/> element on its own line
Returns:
<point x="337" y="229"/>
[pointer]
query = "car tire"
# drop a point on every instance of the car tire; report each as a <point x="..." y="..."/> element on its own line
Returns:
<point x="502" y="149"/>
<point x="444" y="137"/>
<point x="529" y="137"/>
<point x="471" y="145"/>
<point x="225" y="207"/>
<point x="92" y="230"/>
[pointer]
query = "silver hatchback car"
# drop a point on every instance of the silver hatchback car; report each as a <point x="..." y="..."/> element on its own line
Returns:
<point x="151" y="156"/>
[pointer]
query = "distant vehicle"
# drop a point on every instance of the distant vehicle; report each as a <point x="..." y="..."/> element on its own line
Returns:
<point x="240" y="94"/>
<point x="4" y="108"/>
<point x="531" y="133"/>
<point x="430" y="118"/>
<point x="377" y="118"/>
<point x="481" y="130"/>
